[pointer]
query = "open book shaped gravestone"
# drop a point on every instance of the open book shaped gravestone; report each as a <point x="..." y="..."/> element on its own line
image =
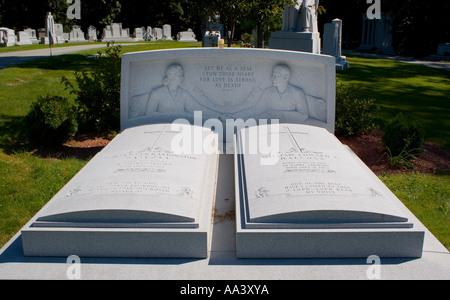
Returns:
<point x="148" y="195"/>
<point x="311" y="197"/>
<point x="136" y="198"/>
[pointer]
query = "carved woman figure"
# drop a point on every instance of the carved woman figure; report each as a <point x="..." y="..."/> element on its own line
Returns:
<point x="171" y="98"/>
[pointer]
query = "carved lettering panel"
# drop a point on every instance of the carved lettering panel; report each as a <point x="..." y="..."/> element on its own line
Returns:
<point x="313" y="172"/>
<point x="162" y="86"/>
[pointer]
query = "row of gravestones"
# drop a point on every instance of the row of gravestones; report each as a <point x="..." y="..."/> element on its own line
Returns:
<point x="29" y="36"/>
<point x="113" y="32"/>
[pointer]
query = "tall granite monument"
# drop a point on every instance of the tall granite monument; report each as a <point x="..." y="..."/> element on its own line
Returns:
<point x="300" y="30"/>
<point x="332" y="43"/>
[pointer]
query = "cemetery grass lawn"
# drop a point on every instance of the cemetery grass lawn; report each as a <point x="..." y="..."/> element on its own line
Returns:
<point x="41" y="46"/>
<point x="402" y="87"/>
<point x="140" y="46"/>
<point x="30" y="177"/>
<point x="27" y="182"/>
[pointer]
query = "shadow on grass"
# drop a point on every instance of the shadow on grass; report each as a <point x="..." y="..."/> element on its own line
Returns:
<point x="408" y="88"/>
<point x="79" y="62"/>
<point x="12" y="138"/>
<point x="67" y="62"/>
<point x="382" y="68"/>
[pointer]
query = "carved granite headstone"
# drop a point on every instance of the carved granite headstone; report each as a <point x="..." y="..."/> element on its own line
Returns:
<point x="92" y="34"/>
<point x="186" y="36"/>
<point x="32" y="35"/>
<point x="23" y="38"/>
<point x="157" y="34"/>
<point x="116" y="33"/>
<point x="60" y="35"/>
<point x="7" y="37"/>
<point x="139" y="35"/>
<point x="227" y="85"/>
<point x="167" y="32"/>
<point x="299" y="192"/>
<point x="332" y="43"/>
<point x="76" y="35"/>
<point x="149" y="34"/>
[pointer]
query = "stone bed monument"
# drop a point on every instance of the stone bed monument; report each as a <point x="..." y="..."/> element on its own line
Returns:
<point x="300" y="29"/>
<point x="184" y="181"/>
<point x="150" y="192"/>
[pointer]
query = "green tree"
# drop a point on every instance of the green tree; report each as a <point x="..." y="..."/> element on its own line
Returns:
<point x="419" y="26"/>
<point x="98" y="93"/>
<point x="231" y="13"/>
<point x="262" y="14"/>
<point x="111" y="8"/>
<point x="265" y="16"/>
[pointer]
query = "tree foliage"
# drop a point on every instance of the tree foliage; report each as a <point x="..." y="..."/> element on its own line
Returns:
<point x="98" y="93"/>
<point x="418" y="25"/>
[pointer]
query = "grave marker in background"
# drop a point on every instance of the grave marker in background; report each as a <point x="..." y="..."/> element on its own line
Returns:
<point x="332" y="43"/>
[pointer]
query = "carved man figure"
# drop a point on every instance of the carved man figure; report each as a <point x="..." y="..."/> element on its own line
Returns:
<point x="282" y="100"/>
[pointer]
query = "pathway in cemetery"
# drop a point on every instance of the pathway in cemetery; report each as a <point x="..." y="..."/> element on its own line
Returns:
<point x="13" y="58"/>
<point x="9" y="59"/>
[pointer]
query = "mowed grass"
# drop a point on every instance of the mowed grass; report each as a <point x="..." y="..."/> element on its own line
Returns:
<point x="41" y="46"/>
<point x="425" y="93"/>
<point x="428" y="198"/>
<point x="28" y="181"/>
<point x="408" y="88"/>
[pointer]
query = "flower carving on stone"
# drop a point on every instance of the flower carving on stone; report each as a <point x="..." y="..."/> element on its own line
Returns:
<point x="186" y="192"/>
<point x="262" y="192"/>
